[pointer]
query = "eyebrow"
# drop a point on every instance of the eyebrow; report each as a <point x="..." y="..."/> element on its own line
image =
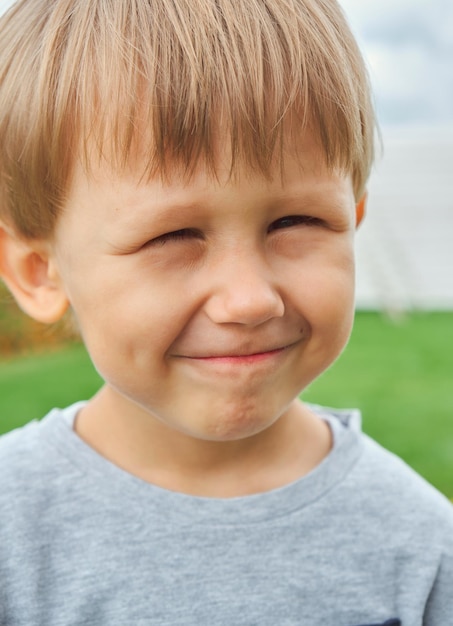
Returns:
<point x="332" y="205"/>
<point x="173" y="210"/>
<point x="159" y="212"/>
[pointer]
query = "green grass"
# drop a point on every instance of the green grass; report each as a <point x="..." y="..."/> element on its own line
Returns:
<point x="398" y="374"/>
<point x="31" y="385"/>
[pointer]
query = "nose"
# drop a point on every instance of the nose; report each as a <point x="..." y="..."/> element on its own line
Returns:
<point x="244" y="293"/>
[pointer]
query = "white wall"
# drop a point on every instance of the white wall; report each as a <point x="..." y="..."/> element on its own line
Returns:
<point x="405" y="246"/>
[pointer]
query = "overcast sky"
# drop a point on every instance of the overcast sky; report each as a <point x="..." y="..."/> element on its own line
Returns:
<point x="409" y="48"/>
<point x="408" y="45"/>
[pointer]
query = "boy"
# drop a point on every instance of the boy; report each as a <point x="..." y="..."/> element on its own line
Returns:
<point x="186" y="177"/>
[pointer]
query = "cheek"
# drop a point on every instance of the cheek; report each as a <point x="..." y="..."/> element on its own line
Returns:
<point x="133" y="320"/>
<point x="326" y="278"/>
<point x="326" y="298"/>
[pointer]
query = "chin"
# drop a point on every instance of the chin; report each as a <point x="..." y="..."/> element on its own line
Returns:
<point x="242" y="423"/>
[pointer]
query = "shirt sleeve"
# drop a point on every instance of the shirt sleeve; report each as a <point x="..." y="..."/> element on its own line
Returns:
<point x="439" y="608"/>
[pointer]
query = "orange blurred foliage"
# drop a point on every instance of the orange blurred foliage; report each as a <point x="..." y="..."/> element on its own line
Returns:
<point x="19" y="333"/>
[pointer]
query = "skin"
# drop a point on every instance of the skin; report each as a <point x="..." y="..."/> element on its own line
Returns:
<point x="207" y="307"/>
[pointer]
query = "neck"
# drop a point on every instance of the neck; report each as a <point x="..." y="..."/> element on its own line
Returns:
<point x="142" y="445"/>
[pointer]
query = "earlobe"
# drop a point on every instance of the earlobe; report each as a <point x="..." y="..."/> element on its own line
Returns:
<point x="28" y="270"/>
<point x="360" y="209"/>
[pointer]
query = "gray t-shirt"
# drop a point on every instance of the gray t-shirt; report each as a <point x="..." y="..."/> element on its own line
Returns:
<point x="360" y="540"/>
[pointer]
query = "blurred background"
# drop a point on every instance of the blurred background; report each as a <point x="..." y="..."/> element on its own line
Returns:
<point x="398" y="367"/>
<point x="405" y="256"/>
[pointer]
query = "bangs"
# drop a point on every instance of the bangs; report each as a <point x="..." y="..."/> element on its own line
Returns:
<point x="153" y="83"/>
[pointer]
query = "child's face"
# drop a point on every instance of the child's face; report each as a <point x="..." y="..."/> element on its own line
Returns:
<point x="210" y="305"/>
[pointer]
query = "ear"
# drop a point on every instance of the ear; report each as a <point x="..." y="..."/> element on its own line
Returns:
<point x="29" y="271"/>
<point x="360" y="209"/>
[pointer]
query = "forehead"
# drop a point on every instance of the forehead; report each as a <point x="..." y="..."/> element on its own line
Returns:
<point x="300" y="148"/>
<point x="111" y="208"/>
<point x="129" y="195"/>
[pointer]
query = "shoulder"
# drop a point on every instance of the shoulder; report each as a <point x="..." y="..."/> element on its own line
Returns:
<point x="20" y="447"/>
<point x="400" y="496"/>
<point x="19" y="451"/>
<point x="31" y="464"/>
<point x="382" y="497"/>
<point x="411" y="526"/>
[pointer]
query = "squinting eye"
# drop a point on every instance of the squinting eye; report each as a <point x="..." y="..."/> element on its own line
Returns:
<point x="177" y="235"/>
<point x="294" y="220"/>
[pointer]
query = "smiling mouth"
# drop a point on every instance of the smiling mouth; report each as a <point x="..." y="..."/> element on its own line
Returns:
<point x="239" y="357"/>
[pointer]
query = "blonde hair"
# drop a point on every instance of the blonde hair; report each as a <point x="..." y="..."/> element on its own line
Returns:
<point x="110" y="77"/>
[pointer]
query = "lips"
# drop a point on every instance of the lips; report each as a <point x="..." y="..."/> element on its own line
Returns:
<point x="239" y="353"/>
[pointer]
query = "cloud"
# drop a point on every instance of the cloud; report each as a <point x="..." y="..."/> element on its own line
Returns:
<point x="409" y="49"/>
<point x="406" y="21"/>
<point x="5" y="4"/>
<point x="408" y="45"/>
